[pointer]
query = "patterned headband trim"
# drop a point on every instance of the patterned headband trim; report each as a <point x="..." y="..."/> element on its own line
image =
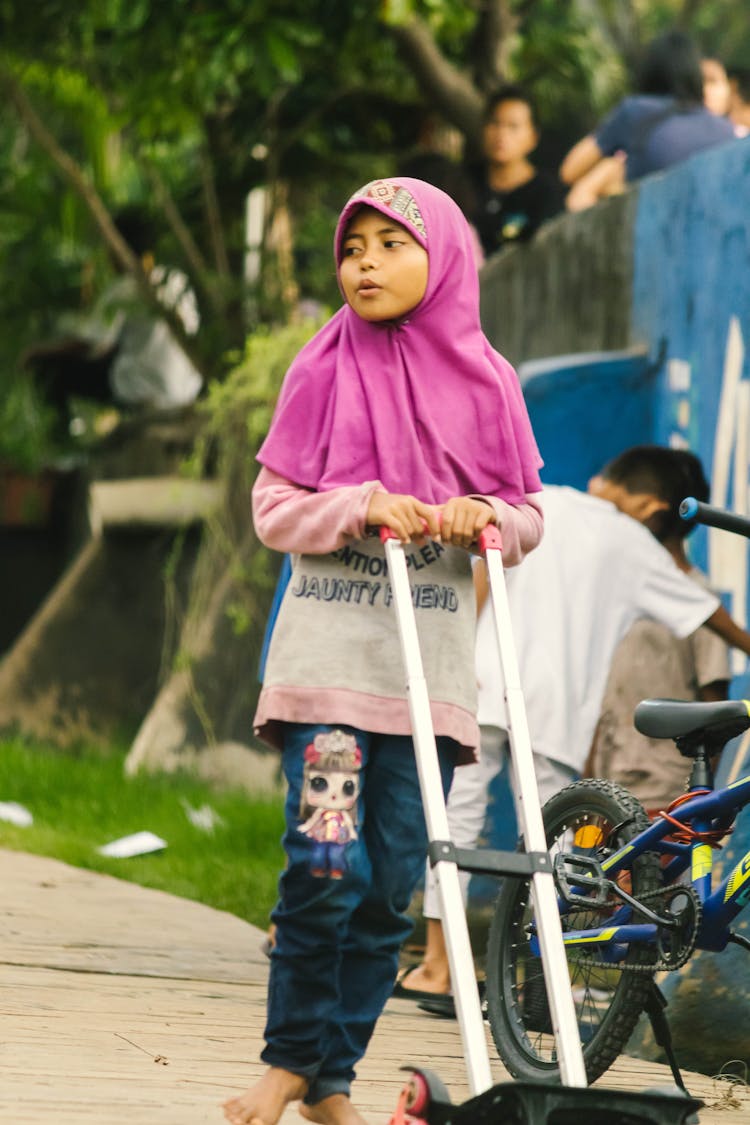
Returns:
<point x="400" y="200"/>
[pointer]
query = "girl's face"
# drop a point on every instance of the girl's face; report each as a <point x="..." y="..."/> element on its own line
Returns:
<point x="383" y="269"/>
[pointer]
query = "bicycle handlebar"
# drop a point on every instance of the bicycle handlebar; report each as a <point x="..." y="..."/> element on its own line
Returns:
<point x="692" y="509"/>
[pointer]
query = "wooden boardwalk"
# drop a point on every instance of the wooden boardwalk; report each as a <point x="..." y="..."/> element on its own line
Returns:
<point x="120" y="1004"/>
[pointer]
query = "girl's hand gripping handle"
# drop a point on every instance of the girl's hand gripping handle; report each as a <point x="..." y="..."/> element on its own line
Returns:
<point x="387" y="533"/>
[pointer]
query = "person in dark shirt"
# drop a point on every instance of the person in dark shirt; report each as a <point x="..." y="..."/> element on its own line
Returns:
<point x="513" y="198"/>
<point x="664" y="123"/>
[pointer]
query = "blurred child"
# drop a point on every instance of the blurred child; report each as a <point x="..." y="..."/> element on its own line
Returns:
<point x="513" y="198"/>
<point x="651" y="660"/>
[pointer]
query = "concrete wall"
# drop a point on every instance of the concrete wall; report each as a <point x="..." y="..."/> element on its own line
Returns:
<point x="691" y="299"/>
<point x="569" y="290"/>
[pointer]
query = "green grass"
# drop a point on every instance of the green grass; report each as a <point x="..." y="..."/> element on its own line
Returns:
<point x="81" y="801"/>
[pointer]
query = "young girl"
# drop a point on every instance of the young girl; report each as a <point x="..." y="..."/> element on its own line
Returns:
<point x="398" y="413"/>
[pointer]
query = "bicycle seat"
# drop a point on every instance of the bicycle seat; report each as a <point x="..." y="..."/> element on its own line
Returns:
<point x="681" y="719"/>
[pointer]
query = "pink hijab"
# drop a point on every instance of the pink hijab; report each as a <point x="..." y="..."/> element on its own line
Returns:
<point x="426" y="406"/>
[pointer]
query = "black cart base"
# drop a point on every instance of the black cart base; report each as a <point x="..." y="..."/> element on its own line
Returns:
<point x="424" y="1101"/>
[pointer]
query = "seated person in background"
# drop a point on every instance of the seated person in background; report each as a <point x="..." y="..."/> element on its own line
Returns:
<point x="122" y="351"/>
<point x="665" y="122"/>
<point x="651" y="661"/>
<point x="513" y="198"/>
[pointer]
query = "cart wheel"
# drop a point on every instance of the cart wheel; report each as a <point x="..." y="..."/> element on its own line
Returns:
<point x="424" y="1088"/>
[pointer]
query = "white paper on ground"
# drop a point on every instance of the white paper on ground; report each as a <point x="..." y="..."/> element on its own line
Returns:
<point x="16" y="814"/>
<point x="204" y="818"/>
<point x="140" y="843"/>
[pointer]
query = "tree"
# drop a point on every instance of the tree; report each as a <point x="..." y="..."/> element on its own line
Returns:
<point x="577" y="57"/>
<point x="185" y="108"/>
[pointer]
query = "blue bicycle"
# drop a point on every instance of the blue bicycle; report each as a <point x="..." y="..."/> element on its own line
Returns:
<point x="635" y="895"/>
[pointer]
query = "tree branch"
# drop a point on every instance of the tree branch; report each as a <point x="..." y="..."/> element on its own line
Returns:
<point x="182" y="233"/>
<point x="74" y="174"/>
<point x="453" y="94"/>
<point x="213" y="214"/>
<point x="621" y="29"/>
<point x="496" y="25"/>
<point x="80" y="182"/>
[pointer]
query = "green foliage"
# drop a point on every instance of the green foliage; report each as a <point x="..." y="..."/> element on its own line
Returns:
<point x="27" y="428"/>
<point x="214" y="99"/>
<point x="238" y="410"/>
<point x="237" y="413"/>
<point x="81" y="802"/>
<point x="211" y="99"/>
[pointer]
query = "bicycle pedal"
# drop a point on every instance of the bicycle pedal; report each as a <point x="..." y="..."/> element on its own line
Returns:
<point x="579" y="879"/>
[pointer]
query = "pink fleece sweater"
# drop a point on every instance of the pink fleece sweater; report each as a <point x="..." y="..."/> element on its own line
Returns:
<point x="292" y="519"/>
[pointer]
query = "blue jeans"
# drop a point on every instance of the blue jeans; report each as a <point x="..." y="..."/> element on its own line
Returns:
<point x="338" y="935"/>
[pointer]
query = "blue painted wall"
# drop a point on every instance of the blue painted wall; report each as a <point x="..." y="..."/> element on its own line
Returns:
<point x="691" y="298"/>
<point x="688" y="384"/>
<point x="585" y="409"/>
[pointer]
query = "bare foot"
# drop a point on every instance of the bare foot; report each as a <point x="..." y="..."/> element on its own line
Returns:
<point x="264" y="1103"/>
<point x="336" y="1110"/>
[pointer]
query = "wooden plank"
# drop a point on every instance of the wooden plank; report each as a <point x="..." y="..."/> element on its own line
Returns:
<point x="121" y="1003"/>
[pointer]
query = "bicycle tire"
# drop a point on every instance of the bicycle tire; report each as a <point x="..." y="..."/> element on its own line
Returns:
<point x="609" y="1001"/>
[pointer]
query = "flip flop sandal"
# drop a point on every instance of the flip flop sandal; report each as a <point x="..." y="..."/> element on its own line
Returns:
<point x="444" y="1006"/>
<point x="401" y="992"/>
<point x="438" y="1005"/>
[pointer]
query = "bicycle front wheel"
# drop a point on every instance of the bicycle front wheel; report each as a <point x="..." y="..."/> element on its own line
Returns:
<point x="593" y="818"/>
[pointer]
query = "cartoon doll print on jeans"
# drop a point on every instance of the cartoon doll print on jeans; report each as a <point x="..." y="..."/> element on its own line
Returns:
<point x="330" y="788"/>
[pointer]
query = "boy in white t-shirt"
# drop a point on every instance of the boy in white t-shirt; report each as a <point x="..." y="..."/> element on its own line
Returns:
<point x="651" y="660"/>
<point x="597" y="570"/>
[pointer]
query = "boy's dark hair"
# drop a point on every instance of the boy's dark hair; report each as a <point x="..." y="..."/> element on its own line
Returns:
<point x="671" y="66"/>
<point x="740" y="75"/>
<point x="670" y="474"/>
<point x="511" y="92"/>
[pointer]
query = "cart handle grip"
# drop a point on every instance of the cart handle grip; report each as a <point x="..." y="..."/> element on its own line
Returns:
<point x="386" y="533"/>
<point x="489" y="538"/>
